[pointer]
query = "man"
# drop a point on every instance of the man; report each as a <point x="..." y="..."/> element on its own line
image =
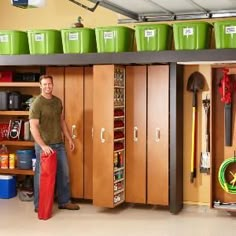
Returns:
<point x="47" y="126"/>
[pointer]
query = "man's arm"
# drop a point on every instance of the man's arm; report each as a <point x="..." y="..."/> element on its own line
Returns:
<point x="67" y="134"/>
<point x="34" y="129"/>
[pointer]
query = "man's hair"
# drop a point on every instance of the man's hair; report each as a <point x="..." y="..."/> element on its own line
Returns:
<point x="45" y="77"/>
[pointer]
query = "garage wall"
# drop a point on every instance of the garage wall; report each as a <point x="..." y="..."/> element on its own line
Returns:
<point x="56" y="14"/>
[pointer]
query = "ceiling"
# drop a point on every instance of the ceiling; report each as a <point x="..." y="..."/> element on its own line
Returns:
<point x="162" y="10"/>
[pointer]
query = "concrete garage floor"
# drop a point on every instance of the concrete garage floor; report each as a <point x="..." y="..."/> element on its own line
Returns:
<point x="17" y="218"/>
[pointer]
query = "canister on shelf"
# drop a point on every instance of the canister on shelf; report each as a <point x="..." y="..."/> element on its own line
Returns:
<point x="4" y="161"/>
<point x="12" y="159"/>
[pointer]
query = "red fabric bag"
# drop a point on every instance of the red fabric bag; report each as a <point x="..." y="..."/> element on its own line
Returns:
<point x="47" y="184"/>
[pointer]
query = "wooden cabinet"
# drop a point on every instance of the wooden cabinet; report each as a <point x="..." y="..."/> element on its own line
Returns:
<point x="100" y="182"/>
<point x="136" y="134"/>
<point x="74" y="86"/>
<point x="88" y="133"/>
<point x="147" y="134"/>
<point x="109" y="101"/>
<point x="158" y="135"/>
<point x="74" y="100"/>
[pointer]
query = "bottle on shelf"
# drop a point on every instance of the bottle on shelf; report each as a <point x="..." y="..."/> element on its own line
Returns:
<point x="116" y="160"/>
<point x="26" y="130"/>
<point x="4" y="157"/>
<point x="120" y="158"/>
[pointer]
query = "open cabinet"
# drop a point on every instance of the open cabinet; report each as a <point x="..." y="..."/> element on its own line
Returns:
<point x="18" y="114"/>
<point x="151" y="168"/>
<point x="109" y="135"/>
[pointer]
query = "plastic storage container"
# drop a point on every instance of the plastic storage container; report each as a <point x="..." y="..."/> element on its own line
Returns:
<point x="155" y="37"/>
<point x="7" y="186"/>
<point x="44" y="41"/>
<point x="24" y="158"/>
<point x="114" y="39"/>
<point x="13" y="42"/>
<point x="78" y="40"/>
<point x="225" y="34"/>
<point x="192" y="35"/>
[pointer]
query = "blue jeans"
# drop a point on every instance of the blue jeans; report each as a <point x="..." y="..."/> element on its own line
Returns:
<point x="62" y="175"/>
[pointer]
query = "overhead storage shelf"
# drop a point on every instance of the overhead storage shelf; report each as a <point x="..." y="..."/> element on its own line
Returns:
<point x="209" y="56"/>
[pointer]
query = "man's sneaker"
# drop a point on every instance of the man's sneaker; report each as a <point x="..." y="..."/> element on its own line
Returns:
<point x="69" y="206"/>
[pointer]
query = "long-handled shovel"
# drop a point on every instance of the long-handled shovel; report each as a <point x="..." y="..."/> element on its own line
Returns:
<point x="195" y="84"/>
<point x="205" y="156"/>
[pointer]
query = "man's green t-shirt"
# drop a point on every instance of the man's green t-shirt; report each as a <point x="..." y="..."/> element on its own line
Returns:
<point x="48" y="112"/>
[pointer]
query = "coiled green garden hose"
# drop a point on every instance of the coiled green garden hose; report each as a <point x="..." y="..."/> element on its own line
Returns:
<point x="228" y="187"/>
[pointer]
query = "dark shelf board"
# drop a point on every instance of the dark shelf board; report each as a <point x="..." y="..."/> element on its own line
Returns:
<point x="18" y="143"/>
<point x="179" y="56"/>
<point x="16" y="172"/>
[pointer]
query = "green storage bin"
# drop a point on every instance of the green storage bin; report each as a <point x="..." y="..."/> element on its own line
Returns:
<point x="192" y="35"/>
<point x="114" y="39"/>
<point x="225" y="34"/>
<point x="44" y="41"/>
<point x="78" y="40"/>
<point x="13" y="42"/>
<point x="155" y="37"/>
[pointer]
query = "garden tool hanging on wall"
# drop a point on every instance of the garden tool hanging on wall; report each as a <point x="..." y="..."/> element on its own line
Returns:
<point x="205" y="156"/>
<point x="226" y="88"/>
<point x="194" y="85"/>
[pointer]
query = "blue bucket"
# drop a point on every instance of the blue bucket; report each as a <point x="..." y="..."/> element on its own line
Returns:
<point x="24" y="158"/>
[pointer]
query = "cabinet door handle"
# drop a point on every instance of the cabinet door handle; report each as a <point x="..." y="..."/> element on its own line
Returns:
<point x="101" y="135"/>
<point x="73" y="128"/>
<point x="135" y="134"/>
<point x="158" y="135"/>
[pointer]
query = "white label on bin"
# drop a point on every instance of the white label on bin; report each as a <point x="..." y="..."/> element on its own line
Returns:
<point x="230" y="29"/>
<point x="4" y="38"/>
<point x="73" y="36"/>
<point x="149" y="33"/>
<point x="39" y="37"/>
<point x="108" y="35"/>
<point x="188" y="31"/>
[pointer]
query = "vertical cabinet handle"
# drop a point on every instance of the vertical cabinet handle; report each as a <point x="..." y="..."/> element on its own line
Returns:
<point x="135" y="134"/>
<point x="102" y="135"/>
<point x="73" y="131"/>
<point x="157" y="135"/>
